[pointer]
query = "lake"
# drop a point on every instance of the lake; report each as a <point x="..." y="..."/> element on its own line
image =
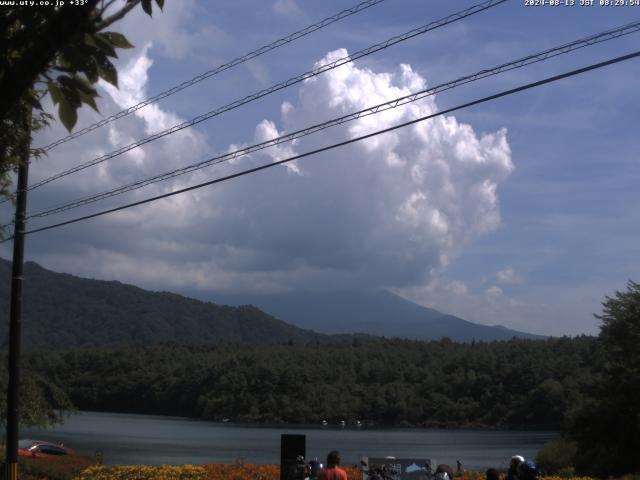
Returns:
<point x="153" y="440"/>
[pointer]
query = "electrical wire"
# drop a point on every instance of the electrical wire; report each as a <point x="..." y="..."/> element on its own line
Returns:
<point x="287" y="83"/>
<point x="512" y="65"/>
<point x="220" y="68"/>
<point x="346" y="142"/>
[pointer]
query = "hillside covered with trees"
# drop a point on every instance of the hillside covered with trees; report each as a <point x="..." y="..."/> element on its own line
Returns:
<point x="64" y="311"/>
<point x="516" y="383"/>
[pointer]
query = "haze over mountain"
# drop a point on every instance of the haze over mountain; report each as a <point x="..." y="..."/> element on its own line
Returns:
<point x="64" y="311"/>
<point x="375" y="312"/>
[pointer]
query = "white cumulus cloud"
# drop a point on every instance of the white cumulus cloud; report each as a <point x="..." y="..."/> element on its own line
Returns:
<point x="387" y="211"/>
<point x="508" y="276"/>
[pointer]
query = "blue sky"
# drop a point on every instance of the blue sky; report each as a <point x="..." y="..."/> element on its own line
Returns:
<point x="521" y="212"/>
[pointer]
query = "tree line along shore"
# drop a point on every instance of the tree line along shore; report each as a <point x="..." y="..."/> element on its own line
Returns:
<point x="517" y="383"/>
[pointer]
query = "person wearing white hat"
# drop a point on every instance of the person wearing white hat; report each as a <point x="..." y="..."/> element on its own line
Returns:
<point x="516" y="460"/>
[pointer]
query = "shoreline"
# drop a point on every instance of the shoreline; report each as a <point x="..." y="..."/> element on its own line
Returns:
<point x="365" y="425"/>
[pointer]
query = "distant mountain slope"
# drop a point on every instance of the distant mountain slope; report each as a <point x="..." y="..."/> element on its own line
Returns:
<point x="62" y="311"/>
<point x="373" y="312"/>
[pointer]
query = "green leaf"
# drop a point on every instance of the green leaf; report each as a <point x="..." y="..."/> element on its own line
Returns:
<point x="89" y="40"/>
<point x="108" y="72"/>
<point x="62" y="69"/>
<point x="90" y="69"/>
<point x="68" y="115"/>
<point x="72" y="95"/>
<point x="65" y="81"/>
<point x="82" y="85"/>
<point x="69" y="90"/>
<point x="63" y="63"/>
<point x="160" y="4"/>
<point x="54" y="91"/>
<point x="117" y="40"/>
<point x="146" y="6"/>
<point x="89" y="100"/>
<point x="104" y="45"/>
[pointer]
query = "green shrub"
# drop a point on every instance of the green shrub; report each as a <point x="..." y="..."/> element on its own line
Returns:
<point x="566" y="472"/>
<point x="556" y="457"/>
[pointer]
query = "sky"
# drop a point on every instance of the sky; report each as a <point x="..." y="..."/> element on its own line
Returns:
<point x="521" y="211"/>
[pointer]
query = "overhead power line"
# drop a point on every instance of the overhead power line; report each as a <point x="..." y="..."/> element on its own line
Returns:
<point x="220" y="68"/>
<point x="512" y="65"/>
<point x="287" y="83"/>
<point x="346" y="142"/>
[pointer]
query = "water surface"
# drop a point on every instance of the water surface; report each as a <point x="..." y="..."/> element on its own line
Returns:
<point x="153" y="440"/>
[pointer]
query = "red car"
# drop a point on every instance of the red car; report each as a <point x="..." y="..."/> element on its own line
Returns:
<point x="40" y="449"/>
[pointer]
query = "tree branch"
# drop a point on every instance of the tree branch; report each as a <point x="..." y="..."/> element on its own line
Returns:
<point x="116" y="16"/>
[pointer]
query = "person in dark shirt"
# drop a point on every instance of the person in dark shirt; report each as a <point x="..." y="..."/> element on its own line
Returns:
<point x="332" y="471"/>
<point x="527" y="471"/>
<point x="492" y="474"/>
<point x="512" y="474"/>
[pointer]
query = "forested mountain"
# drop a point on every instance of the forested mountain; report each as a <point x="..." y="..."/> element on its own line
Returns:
<point x="63" y="311"/>
<point x="516" y="383"/>
<point x="376" y="312"/>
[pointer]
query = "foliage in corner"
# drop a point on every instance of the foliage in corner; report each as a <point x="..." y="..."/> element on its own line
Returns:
<point x="606" y="428"/>
<point x="43" y="403"/>
<point x="62" y="51"/>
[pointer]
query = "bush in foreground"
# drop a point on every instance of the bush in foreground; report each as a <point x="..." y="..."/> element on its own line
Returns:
<point x="56" y="468"/>
<point x="557" y="457"/>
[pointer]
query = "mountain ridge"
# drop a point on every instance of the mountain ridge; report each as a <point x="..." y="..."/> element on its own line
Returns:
<point x="65" y="311"/>
<point x="61" y="311"/>
<point x="374" y="312"/>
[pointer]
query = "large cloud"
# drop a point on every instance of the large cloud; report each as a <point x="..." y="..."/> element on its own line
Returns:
<point x="386" y="212"/>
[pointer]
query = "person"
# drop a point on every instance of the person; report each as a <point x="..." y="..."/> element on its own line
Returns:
<point x="512" y="473"/>
<point x="444" y="472"/>
<point x="527" y="471"/>
<point x="333" y="471"/>
<point x="297" y="470"/>
<point x="314" y="468"/>
<point x="493" y="474"/>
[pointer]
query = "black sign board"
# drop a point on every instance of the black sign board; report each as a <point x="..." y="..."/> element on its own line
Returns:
<point x="292" y="453"/>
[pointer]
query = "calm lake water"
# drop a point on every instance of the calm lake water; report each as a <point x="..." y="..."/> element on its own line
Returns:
<point x="154" y="440"/>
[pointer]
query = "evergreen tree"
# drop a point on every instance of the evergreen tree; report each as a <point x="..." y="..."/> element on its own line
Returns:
<point x="607" y="427"/>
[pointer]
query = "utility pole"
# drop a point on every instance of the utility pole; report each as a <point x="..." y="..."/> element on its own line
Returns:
<point x="16" y="301"/>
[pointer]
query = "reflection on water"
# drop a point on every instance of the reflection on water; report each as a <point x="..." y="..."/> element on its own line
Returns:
<point x="154" y="440"/>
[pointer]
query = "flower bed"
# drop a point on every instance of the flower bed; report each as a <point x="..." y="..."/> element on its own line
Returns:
<point x="143" y="472"/>
<point x="218" y="471"/>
